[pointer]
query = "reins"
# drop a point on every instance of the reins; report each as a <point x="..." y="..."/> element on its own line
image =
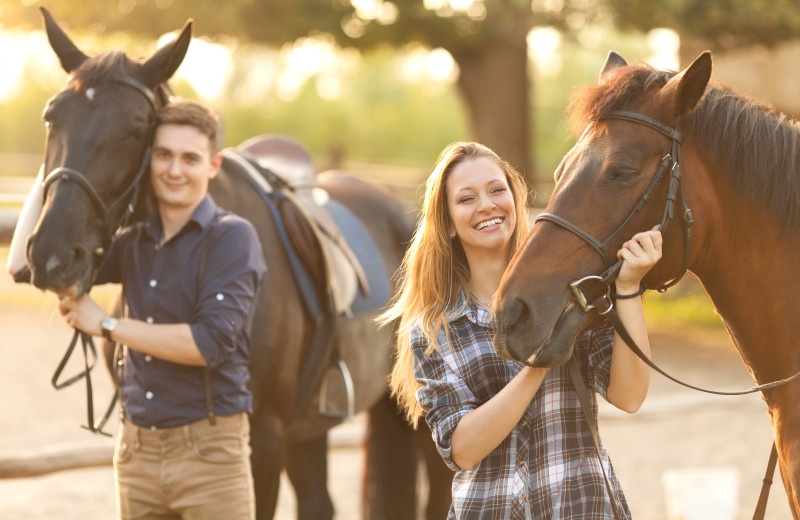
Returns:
<point x="593" y="292"/>
<point x="131" y="196"/>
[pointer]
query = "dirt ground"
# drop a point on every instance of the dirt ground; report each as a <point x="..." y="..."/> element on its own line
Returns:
<point x="699" y="440"/>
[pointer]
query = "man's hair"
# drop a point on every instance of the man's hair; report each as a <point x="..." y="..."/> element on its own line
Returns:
<point x="191" y="113"/>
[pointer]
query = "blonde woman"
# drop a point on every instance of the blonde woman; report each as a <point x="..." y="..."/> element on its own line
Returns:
<point x="513" y="434"/>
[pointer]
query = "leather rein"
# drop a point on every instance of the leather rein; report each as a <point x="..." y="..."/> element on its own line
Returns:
<point x="593" y="292"/>
<point x="131" y="195"/>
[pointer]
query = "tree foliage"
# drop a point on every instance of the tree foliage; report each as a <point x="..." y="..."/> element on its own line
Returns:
<point x="726" y="24"/>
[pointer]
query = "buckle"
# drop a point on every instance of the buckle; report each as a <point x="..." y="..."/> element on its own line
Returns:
<point x="603" y="303"/>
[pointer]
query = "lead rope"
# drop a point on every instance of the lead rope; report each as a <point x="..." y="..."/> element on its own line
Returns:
<point x="583" y="397"/>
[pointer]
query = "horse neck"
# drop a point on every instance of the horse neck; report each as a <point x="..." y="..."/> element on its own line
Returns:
<point x="748" y="268"/>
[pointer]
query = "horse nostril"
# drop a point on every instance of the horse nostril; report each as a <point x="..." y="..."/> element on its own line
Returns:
<point x="517" y="316"/>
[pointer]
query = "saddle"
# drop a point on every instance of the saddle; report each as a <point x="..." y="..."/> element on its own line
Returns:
<point x="291" y="162"/>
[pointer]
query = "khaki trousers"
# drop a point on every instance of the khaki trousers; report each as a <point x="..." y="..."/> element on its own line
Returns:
<point x="195" y="472"/>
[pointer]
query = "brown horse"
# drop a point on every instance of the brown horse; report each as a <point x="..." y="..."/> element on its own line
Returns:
<point x="740" y="188"/>
<point x="96" y="155"/>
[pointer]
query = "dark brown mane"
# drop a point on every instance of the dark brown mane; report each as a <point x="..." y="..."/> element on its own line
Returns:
<point x="756" y="147"/>
<point x="108" y="66"/>
<point x="102" y="68"/>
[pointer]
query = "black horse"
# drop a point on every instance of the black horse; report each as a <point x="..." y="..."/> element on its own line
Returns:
<point x="98" y="128"/>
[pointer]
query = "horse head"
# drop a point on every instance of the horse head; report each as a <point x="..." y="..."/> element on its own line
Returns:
<point x="96" y="158"/>
<point x="614" y="183"/>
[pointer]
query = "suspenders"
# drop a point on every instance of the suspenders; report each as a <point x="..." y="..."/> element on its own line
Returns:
<point x="201" y="267"/>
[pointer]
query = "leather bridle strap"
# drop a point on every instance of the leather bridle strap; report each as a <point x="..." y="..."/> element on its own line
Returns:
<point x="583" y="397"/>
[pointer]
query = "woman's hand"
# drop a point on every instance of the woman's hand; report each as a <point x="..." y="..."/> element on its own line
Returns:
<point x="639" y="255"/>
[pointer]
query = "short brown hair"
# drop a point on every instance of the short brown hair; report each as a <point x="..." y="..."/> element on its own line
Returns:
<point x="191" y="113"/>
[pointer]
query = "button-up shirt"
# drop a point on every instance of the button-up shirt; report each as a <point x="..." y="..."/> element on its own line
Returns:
<point x="162" y="284"/>
<point x="547" y="467"/>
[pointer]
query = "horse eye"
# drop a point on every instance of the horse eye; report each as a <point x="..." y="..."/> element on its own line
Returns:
<point x="624" y="173"/>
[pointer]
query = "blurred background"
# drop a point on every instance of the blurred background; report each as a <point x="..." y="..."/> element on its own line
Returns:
<point x="380" y="87"/>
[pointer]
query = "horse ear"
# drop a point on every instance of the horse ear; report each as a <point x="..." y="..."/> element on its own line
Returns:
<point x="613" y="61"/>
<point x="68" y="54"/>
<point x="162" y="65"/>
<point x="685" y="90"/>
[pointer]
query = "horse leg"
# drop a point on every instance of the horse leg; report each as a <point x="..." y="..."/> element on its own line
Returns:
<point x="267" y="444"/>
<point x="307" y="467"/>
<point x="390" y="474"/>
<point x="440" y="477"/>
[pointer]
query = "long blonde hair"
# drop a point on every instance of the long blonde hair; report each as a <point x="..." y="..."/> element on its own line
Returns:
<point x="435" y="269"/>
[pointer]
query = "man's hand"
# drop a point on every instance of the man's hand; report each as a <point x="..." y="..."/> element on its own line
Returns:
<point x="83" y="313"/>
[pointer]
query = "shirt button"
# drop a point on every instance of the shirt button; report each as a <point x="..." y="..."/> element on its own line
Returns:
<point x="220" y="297"/>
<point x="148" y="358"/>
<point x="153" y="283"/>
<point x="149" y="320"/>
<point x="148" y="395"/>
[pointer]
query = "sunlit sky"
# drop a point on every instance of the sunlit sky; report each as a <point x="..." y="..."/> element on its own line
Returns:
<point x="209" y="67"/>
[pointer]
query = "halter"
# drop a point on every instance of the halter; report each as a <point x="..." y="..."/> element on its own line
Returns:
<point x="131" y="193"/>
<point x="670" y="162"/>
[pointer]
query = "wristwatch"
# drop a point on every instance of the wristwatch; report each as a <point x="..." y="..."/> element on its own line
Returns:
<point x="107" y="325"/>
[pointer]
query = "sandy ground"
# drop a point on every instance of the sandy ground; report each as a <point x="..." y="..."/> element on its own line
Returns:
<point x="678" y="432"/>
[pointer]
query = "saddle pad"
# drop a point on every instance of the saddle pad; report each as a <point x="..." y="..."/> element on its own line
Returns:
<point x="365" y="250"/>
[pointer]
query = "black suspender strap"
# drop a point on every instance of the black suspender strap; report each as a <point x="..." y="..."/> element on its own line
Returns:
<point x="583" y="397"/>
<point x="201" y="267"/>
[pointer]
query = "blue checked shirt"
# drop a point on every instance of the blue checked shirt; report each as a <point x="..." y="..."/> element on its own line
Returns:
<point x="547" y="467"/>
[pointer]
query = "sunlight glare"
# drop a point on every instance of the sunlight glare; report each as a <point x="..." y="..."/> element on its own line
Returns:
<point x="664" y="45"/>
<point x="207" y="66"/>
<point x="544" y="48"/>
<point x="12" y="63"/>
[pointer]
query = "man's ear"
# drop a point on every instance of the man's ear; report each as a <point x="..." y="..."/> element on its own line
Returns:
<point x="216" y="163"/>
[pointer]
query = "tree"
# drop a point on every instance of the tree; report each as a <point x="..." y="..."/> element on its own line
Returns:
<point x="725" y="24"/>
<point x="487" y="39"/>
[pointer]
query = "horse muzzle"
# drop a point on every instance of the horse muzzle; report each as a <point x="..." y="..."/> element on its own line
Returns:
<point x="537" y="339"/>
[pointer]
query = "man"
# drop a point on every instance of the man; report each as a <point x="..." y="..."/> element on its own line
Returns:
<point x="190" y="274"/>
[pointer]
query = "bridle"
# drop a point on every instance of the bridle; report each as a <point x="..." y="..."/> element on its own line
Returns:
<point x="600" y="297"/>
<point x="131" y="196"/>
<point x="671" y="162"/>
<point x="601" y="300"/>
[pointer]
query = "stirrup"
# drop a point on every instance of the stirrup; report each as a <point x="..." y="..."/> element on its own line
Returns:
<point x="349" y="389"/>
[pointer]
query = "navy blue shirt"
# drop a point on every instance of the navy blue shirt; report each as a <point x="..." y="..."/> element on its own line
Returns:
<point x="164" y="285"/>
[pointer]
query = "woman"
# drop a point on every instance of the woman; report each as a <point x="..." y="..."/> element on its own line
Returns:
<point x="514" y="434"/>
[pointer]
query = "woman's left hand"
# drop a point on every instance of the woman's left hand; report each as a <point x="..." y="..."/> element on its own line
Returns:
<point x="639" y="255"/>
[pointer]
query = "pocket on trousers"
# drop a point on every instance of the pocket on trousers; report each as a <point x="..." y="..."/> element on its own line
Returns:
<point x="123" y="449"/>
<point x="225" y="446"/>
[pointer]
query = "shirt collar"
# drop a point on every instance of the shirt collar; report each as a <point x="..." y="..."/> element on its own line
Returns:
<point x="471" y="310"/>
<point x="202" y="217"/>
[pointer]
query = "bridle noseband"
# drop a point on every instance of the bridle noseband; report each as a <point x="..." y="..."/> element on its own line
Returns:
<point x="131" y="193"/>
<point x="600" y="298"/>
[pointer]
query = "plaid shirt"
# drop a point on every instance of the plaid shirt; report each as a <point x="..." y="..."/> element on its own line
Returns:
<point x="547" y="467"/>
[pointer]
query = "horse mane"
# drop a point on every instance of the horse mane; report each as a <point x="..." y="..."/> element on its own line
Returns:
<point x="757" y="148"/>
<point x="106" y="67"/>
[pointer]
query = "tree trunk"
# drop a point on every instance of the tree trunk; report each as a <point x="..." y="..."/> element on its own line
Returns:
<point x="495" y="87"/>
